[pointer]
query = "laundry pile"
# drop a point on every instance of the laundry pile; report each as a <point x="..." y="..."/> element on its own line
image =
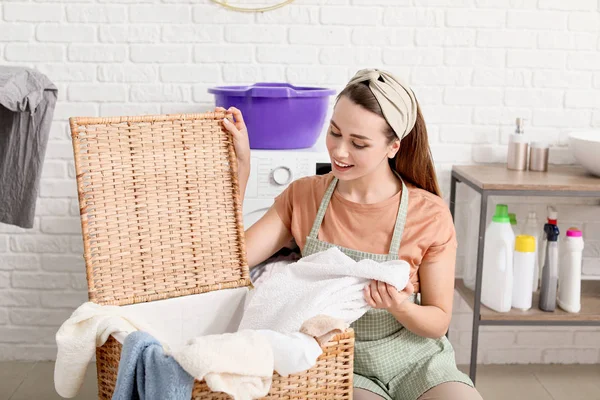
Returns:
<point x="285" y="321"/>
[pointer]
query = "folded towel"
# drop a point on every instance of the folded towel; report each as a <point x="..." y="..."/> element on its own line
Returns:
<point x="323" y="328"/>
<point x="292" y="352"/>
<point x="88" y="327"/>
<point x="239" y="364"/>
<point x="147" y="373"/>
<point x="326" y="283"/>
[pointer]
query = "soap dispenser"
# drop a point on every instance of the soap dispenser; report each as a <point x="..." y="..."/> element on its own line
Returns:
<point x="518" y="147"/>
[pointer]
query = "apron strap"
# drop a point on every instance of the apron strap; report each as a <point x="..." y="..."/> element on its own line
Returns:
<point x="400" y="220"/>
<point x="322" y="208"/>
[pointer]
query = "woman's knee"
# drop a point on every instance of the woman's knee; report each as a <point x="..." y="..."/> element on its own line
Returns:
<point x="362" y="394"/>
<point x="451" y="391"/>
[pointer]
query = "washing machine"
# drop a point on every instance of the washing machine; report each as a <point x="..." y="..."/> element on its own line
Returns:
<point x="271" y="171"/>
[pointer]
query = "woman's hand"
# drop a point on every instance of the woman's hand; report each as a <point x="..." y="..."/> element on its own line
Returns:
<point x="239" y="133"/>
<point x="382" y="295"/>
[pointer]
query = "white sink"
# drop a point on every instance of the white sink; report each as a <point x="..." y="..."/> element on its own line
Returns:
<point x="585" y="146"/>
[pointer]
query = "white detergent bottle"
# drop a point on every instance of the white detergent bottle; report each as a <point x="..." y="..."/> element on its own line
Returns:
<point x="498" y="253"/>
<point x="524" y="265"/>
<point x="569" y="278"/>
<point x="532" y="228"/>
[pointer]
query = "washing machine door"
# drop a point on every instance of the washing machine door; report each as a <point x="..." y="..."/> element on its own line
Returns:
<point x="254" y="209"/>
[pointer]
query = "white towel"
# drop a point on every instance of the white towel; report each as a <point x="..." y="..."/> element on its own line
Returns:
<point x="271" y="269"/>
<point x="89" y="326"/>
<point x="326" y="283"/>
<point x="239" y="364"/>
<point x="292" y="352"/>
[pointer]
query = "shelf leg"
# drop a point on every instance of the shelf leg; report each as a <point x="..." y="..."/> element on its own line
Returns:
<point x="478" y="279"/>
<point x="453" y="182"/>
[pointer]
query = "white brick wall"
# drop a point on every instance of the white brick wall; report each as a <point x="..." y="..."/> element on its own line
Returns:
<point x="475" y="65"/>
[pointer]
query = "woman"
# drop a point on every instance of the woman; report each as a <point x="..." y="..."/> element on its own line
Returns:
<point x="381" y="202"/>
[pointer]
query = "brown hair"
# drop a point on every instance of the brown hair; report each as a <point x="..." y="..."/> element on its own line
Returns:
<point x="413" y="161"/>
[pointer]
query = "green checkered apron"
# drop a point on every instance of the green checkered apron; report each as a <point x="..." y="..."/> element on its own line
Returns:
<point x="389" y="360"/>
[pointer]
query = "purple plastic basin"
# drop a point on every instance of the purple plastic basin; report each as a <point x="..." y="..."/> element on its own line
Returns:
<point x="278" y="115"/>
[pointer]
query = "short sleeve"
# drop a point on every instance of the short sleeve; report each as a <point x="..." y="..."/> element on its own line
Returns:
<point x="444" y="244"/>
<point x="284" y="205"/>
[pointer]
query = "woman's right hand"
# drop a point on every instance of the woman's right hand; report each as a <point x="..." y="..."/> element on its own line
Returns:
<point x="269" y="234"/>
<point x="239" y="133"/>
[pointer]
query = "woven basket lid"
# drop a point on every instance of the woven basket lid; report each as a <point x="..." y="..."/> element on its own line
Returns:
<point x="160" y="207"/>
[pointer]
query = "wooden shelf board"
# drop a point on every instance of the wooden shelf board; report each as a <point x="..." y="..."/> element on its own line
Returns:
<point x="560" y="178"/>
<point x="590" y="306"/>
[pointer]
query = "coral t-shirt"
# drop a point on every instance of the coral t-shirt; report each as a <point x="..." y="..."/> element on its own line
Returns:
<point x="428" y="236"/>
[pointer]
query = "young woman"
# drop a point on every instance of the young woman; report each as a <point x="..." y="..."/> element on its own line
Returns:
<point x="381" y="201"/>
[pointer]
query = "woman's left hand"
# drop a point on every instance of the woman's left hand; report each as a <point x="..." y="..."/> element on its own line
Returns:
<point x="382" y="295"/>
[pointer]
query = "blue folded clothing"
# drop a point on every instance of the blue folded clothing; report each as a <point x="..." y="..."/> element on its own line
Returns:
<point x="147" y="373"/>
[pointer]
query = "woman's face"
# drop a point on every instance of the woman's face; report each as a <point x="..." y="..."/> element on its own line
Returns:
<point x="356" y="141"/>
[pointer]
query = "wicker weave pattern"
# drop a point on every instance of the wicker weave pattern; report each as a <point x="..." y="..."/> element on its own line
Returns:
<point x="329" y="379"/>
<point x="160" y="208"/>
<point x="161" y="218"/>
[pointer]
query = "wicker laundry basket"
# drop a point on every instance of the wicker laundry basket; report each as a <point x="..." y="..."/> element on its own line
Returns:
<point x="161" y="218"/>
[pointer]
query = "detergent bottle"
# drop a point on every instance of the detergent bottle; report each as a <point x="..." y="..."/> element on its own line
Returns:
<point x="524" y="265"/>
<point x="498" y="253"/>
<point x="551" y="219"/>
<point x="513" y="223"/>
<point x="569" y="275"/>
<point x="531" y="228"/>
<point x="549" y="285"/>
